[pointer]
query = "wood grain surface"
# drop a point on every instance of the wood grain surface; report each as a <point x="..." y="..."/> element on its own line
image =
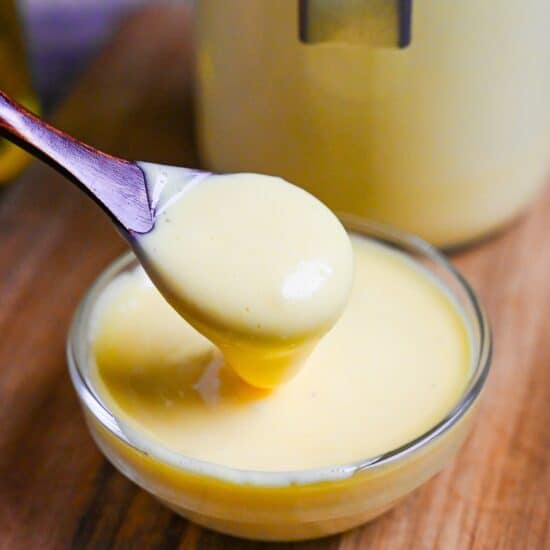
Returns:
<point x="57" y="491"/>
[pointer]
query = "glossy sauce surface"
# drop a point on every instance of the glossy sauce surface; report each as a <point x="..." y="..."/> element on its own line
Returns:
<point x="394" y="364"/>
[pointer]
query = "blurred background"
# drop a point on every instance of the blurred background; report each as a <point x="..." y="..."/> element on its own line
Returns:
<point x="62" y="36"/>
<point x="44" y="47"/>
<point x="458" y="128"/>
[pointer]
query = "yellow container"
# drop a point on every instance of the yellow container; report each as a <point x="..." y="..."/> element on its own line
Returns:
<point x="447" y="136"/>
<point x="15" y="81"/>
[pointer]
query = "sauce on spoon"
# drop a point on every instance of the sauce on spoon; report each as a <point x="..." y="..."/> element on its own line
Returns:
<point x="259" y="266"/>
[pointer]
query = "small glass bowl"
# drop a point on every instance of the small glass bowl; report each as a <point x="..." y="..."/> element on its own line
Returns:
<point x="290" y="505"/>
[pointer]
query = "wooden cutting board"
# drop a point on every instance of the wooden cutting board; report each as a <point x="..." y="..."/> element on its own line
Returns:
<point x="57" y="491"/>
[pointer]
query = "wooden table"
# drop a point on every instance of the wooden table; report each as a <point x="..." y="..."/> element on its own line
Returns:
<point x="57" y="491"/>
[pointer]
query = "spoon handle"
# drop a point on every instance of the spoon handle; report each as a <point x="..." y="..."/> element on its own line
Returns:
<point x="116" y="184"/>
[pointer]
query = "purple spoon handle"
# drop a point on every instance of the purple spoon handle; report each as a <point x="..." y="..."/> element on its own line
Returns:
<point x="116" y="184"/>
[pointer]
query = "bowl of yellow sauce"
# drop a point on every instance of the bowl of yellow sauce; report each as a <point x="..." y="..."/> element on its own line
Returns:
<point x="382" y="403"/>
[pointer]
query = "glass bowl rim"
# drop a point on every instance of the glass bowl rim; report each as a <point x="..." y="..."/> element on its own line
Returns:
<point x="481" y="363"/>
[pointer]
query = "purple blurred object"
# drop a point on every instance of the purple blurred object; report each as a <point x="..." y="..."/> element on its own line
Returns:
<point x="64" y="35"/>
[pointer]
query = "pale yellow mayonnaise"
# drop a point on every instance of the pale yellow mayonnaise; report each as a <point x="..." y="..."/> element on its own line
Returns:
<point x="259" y="266"/>
<point x="394" y="364"/>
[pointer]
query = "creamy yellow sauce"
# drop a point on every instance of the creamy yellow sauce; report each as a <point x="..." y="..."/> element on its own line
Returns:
<point x="256" y="264"/>
<point x="394" y="364"/>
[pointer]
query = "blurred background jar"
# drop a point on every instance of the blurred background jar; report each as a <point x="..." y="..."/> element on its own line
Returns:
<point x="437" y="123"/>
<point x="14" y="80"/>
